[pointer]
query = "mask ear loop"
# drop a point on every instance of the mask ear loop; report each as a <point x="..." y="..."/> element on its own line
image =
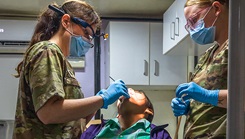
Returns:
<point x="70" y="31"/>
<point x="207" y="12"/>
<point x="84" y="38"/>
<point x="215" y="20"/>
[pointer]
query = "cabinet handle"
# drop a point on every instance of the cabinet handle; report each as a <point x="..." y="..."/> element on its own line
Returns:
<point x="146" y="68"/>
<point x="156" y="73"/>
<point x="172" y="31"/>
<point x="177" y="26"/>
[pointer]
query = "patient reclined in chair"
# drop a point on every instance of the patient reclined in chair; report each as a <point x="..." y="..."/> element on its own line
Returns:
<point x="134" y="118"/>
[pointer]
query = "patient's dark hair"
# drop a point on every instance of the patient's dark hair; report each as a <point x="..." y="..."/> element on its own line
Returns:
<point x="149" y="105"/>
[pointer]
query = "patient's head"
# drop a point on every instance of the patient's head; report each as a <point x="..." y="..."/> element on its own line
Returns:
<point x="138" y="103"/>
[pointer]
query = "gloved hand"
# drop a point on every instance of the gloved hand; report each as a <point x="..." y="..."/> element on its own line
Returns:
<point x="179" y="106"/>
<point x="196" y="92"/>
<point x="113" y="92"/>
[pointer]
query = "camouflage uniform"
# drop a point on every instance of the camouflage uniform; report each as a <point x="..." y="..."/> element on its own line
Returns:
<point x="205" y="121"/>
<point x="45" y="73"/>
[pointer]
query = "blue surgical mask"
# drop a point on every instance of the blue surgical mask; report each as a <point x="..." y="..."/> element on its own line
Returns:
<point x="78" y="46"/>
<point x="202" y="35"/>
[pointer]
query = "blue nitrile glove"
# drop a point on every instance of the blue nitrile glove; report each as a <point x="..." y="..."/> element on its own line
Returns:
<point x="113" y="92"/>
<point x="196" y="92"/>
<point x="180" y="107"/>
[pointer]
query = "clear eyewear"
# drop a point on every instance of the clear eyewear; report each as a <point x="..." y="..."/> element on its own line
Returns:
<point x="81" y="22"/>
<point x="84" y="24"/>
<point x="192" y="21"/>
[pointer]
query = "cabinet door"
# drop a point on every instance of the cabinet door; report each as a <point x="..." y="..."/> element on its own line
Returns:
<point x="129" y="52"/>
<point x="164" y="70"/>
<point x="180" y="21"/>
<point x="169" y="28"/>
<point x="174" y="25"/>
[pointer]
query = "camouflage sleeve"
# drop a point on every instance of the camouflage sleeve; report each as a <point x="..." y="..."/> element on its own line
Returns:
<point x="46" y="76"/>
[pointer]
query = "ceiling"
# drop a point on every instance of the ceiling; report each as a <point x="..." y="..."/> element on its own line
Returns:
<point x="139" y="9"/>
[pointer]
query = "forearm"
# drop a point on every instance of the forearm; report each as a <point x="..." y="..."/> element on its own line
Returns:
<point x="89" y="117"/>
<point x="222" y="99"/>
<point x="65" y="110"/>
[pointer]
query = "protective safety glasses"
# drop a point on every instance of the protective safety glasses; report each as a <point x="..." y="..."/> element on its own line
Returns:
<point x="84" y="25"/>
<point x="192" y="21"/>
<point x="81" y="22"/>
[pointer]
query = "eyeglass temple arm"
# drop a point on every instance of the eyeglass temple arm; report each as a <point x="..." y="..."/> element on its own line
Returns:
<point x="60" y="12"/>
<point x="76" y="20"/>
<point x="83" y="23"/>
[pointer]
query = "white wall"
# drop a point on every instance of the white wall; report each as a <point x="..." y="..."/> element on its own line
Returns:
<point x="8" y="93"/>
<point x="85" y="76"/>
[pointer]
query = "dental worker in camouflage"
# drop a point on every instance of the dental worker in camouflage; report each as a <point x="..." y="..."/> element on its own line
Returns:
<point x="204" y="99"/>
<point x="50" y="101"/>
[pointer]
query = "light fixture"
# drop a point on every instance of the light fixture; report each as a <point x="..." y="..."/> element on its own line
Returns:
<point x="104" y="35"/>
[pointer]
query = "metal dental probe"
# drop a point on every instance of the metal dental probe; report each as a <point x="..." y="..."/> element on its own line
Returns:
<point x="112" y="79"/>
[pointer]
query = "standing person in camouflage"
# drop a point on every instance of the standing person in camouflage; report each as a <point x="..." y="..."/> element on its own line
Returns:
<point x="204" y="99"/>
<point x="50" y="102"/>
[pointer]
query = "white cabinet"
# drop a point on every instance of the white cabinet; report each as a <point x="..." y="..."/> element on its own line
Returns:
<point x="173" y="25"/>
<point x="164" y="70"/>
<point x="176" y="40"/>
<point x="129" y="51"/>
<point x="135" y="55"/>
